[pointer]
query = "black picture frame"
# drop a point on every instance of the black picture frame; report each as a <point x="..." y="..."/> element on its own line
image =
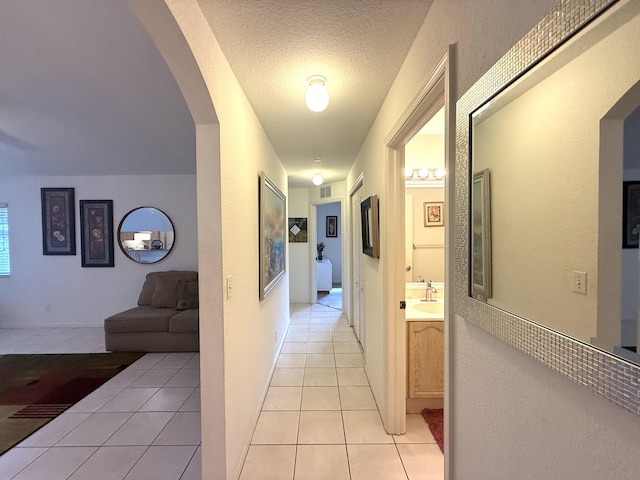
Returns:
<point x="370" y="226"/>
<point x="332" y="226"/>
<point x="631" y="214"/>
<point x="58" y="221"/>
<point x="298" y="230"/>
<point x="96" y="239"/>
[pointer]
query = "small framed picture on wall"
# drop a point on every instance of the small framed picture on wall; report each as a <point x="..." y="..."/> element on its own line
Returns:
<point x="332" y="226"/>
<point x="433" y="214"/>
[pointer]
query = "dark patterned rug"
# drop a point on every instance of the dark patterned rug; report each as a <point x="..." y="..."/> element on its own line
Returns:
<point x="34" y="389"/>
<point x="435" y="421"/>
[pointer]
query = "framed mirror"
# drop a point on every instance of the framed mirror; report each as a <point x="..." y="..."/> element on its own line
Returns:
<point x="370" y="226"/>
<point x="552" y="123"/>
<point x="146" y="235"/>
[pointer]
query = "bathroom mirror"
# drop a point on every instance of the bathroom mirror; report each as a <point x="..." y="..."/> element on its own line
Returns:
<point x="146" y="235"/>
<point x="557" y="142"/>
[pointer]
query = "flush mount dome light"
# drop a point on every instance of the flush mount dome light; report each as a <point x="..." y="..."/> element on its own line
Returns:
<point x="317" y="96"/>
<point x="317" y="179"/>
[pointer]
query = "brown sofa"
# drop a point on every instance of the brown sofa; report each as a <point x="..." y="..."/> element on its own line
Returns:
<point x="165" y="320"/>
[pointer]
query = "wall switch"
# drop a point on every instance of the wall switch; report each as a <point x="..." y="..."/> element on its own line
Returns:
<point x="579" y="280"/>
<point x="229" y="286"/>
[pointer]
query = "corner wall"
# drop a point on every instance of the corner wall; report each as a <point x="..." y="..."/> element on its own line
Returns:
<point x="511" y="417"/>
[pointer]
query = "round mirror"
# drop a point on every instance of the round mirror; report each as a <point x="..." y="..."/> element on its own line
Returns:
<point x="146" y="235"/>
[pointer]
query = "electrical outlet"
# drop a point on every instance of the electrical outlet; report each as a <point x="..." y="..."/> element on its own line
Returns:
<point x="275" y="336"/>
<point x="579" y="280"/>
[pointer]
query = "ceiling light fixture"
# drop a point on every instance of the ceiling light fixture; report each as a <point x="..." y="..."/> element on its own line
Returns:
<point x="317" y="96"/>
<point x="317" y="179"/>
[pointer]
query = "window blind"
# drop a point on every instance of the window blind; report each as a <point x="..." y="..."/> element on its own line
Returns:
<point x="4" y="239"/>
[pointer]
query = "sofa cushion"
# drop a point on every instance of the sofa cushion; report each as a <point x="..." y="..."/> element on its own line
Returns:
<point x="165" y="294"/>
<point x="148" y="287"/>
<point x="185" y="321"/>
<point x="187" y="294"/>
<point x="140" y="319"/>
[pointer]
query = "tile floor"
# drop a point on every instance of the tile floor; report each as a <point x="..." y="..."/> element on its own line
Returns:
<point x="318" y="421"/>
<point x="144" y="423"/>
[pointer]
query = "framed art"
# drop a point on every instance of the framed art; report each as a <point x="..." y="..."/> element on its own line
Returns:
<point x="272" y="231"/>
<point x="96" y="239"/>
<point x="481" y="236"/>
<point x="58" y="221"/>
<point x="630" y="214"/>
<point x="370" y="226"/>
<point x="298" y="230"/>
<point x="433" y="214"/>
<point x="332" y="226"/>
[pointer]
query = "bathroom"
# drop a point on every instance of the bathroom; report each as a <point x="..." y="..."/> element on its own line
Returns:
<point x="424" y="265"/>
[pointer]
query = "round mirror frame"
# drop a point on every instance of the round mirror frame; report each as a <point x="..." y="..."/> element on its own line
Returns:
<point x="147" y="250"/>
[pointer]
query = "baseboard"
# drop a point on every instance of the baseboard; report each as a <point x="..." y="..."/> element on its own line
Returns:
<point x="416" y="405"/>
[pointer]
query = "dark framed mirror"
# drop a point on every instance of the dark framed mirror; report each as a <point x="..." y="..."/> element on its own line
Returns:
<point x="146" y="235"/>
<point x="370" y="226"/>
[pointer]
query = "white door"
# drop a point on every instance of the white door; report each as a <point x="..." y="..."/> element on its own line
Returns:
<point x="356" y="251"/>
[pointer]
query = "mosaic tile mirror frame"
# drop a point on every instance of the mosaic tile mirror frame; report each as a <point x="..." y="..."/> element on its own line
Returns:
<point x="597" y="369"/>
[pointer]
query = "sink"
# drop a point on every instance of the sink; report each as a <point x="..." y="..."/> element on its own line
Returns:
<point x="430" y="307"/>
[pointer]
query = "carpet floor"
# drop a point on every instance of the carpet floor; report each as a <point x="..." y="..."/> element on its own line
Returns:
<point x="34" y="389"/>
<point x="435" y="421"/>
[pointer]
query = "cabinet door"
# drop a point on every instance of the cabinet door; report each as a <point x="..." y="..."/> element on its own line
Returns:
<point x="426" y="359"/>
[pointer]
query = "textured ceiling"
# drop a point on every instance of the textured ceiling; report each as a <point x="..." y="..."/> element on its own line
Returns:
<point x="83" y="91"/>
<point x="274" y="46"/>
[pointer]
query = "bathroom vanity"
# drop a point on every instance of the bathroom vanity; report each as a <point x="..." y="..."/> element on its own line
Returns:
<point x="425" y="365"/>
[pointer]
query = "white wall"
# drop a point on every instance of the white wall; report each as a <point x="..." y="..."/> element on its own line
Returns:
<point x="333" y="245"/>
<point x="45" y="290"/>
<point x="252" y="329"/>
<point x="299" y="252"/>
<point x="511" y="417"/>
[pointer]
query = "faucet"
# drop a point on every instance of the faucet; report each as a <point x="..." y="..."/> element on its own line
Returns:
<point x="430" y="291"/>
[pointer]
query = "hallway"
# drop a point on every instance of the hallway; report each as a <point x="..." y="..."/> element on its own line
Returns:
<point x="319" y="419"/>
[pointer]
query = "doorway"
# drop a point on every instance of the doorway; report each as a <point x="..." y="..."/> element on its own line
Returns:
<point x="436" y="92"/>
<point x="329" y="256"/>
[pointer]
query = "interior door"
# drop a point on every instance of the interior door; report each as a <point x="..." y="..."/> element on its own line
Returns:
<point x="356" y="249"/>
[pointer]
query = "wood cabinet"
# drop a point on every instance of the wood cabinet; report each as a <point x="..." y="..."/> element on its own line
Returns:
<point x="426" y="359"/>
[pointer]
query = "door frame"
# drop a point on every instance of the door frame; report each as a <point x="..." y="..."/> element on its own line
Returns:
<point x="313" y="238"/>
<point x="353" y="239"/>
<point x="438" y="89"/>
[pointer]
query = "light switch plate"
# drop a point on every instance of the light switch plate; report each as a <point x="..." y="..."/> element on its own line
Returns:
<point x="229" y="286"/>
<point x="579" y="280"/>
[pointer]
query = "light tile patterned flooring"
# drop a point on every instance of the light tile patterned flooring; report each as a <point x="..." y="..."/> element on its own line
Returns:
<point x="318" y="421"/>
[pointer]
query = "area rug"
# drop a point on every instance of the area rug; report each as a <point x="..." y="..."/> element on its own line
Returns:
<point x="434" y="419"/>
<point x="34" y="389"/>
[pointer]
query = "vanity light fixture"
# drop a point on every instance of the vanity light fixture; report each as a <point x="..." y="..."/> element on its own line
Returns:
<point x="317" y="179"/>
<point x="440" y="173"/>
<point x="317" y="95"/>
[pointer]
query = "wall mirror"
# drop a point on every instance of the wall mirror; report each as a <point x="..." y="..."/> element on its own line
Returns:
<point x="146" y="235"/>
<point x="558" y="142"/>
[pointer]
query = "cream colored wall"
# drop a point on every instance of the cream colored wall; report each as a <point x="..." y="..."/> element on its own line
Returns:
<point x="427" y="262"/>
<point x="250" y="326"/>
<point x="522" y="412"/>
